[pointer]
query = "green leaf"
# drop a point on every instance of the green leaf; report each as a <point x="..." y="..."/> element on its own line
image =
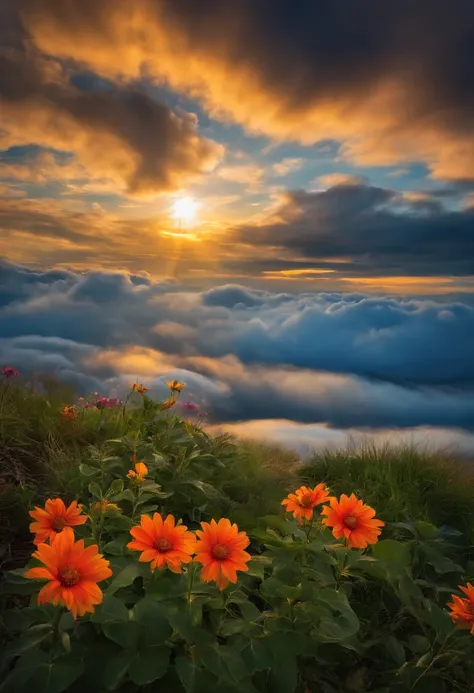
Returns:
<point x="115" y="487"/>
<point x="393" y="551"/>
<point x="95" y="490"/>
<point x="283" y="673"/>
<point x="151" y="664"/>
<point x="111" y="610"/>
<point x="207" y="489"/>
<point x="127" y="495"/>
<point x="120" y="523"/>
<point x="16" y="620"/>
<point x="395" y="650"/>
<point x="23" y="670"/>
<point x="418" y="644"/>
<point x="124" y="633"/>
<point x="149" y="508"/>
<point x="149" y="615"/>
<point x="29" y="640"/>
<point x="426" y="529"/>
<point x="394" y="556"/>
<point x="66" y="622"/>
<point x="56" y="676"/>
<point x="233" y="626"/>
<point x="87" y="470"/>
<point x="118" y="547"/>
<point x="439" y="619"/>
<point x="250" y="612"/>
<point x="16" y="576"/>
<point x="250" y="657"/>
<point x="330" y="613"/>
<point x="116" y="668"/>
<point x="194" y="679"/>
<point x="256" y="566"/>
<point x="208" y="656"/>
<point x="124" y="578"/>
<point x="284" y="525"/>
<point x="442" y="564"/>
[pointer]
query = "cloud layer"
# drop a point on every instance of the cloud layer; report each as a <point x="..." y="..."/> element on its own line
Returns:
<point x="361" y="229"/>
<point x="342" y="360"/>
<point x="396" y="85"/>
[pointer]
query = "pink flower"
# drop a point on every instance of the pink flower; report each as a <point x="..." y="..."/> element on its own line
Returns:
<point x="104" y="403"/>
<point x="190" y="406"/>
<point x="9" y="372"/>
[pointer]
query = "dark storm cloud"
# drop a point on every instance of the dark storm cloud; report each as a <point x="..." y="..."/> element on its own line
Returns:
<point x="396" y="81"/>
<point x="118" y="133"/>
<point x="381" y="232"/>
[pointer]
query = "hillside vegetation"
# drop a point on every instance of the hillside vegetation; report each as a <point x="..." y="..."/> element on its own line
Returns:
<point x="310" y="611"/>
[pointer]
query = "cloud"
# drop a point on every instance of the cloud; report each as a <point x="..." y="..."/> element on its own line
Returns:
<point x="332" y="179"/>
<point x="246" y="174"/>
<point x="119" y="133"/>
<point x="395" y="86"/>
<point x="73" y="232"/>
<point x="362" y="230"/>
<point x="306" y="439"/>
<point x="287" y="165"/>
<point x="42" y="168"/>
<point x="343" y="360"/>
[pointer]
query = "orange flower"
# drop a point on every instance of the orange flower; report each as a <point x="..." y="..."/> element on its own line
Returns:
<point x="350" y="518"/>
<point x="141" y="389"/>
<point x="304" y="499"/>
<point x="462" y="609"/>
<point x="103" y="505"/>
<point x="220" y="549"/>
<point x="139" y="474"/>
<point x="53" y="518"/>
<point x="69" y="412"/>
<point x="72" y="572"/>
<point x="175" y="385"/>
<point x="168" y="404"/>
<point x="162" y="542"/>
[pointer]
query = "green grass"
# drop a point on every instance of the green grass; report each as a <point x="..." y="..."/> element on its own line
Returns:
<point x="401" y="482"/>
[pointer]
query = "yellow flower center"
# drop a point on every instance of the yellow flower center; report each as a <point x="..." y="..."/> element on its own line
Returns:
<point x="306" y="500"/>
<point x="69" y="576"/>
<point x="350" y="521"/>
<point x="163" y="545"/>
<point x="220" y="552"/>
<point x="58" y="524"/>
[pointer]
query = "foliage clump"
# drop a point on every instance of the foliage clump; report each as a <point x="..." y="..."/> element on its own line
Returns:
<point x="135" y="576"/>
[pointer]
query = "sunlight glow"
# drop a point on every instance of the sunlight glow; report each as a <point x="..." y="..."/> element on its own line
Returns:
<point x="184" y="210"/>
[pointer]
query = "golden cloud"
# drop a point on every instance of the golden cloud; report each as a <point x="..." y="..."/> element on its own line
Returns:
<point x="121" y="135"/>
<point x="390" y="94"/>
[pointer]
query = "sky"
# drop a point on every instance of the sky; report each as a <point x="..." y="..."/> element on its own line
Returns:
<point x="322" y="284"/>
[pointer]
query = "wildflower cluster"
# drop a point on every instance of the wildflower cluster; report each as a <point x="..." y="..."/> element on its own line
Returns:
<point x="146" y="568"/>
<point x="104" y="403"/>
<point x="9" y="372"/>
<point x="349" y="518"/>
<point x="69" y="412"/>
<point x="73" y="571"/>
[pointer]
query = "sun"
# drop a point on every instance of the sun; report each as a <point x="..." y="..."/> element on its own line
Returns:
<point x="184" y="210"/>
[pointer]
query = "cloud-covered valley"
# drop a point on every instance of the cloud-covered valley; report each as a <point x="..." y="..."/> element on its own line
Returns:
<point x="340" y="361"/>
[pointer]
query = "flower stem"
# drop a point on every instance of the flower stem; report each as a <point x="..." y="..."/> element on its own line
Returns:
<point x="191" y="572"/>
<point x="55" y="622"/>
